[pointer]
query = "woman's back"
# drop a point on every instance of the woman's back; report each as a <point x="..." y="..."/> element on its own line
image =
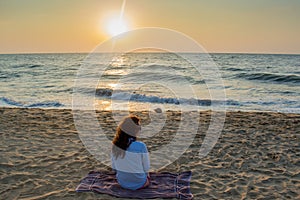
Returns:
<point x="133" y="168"/>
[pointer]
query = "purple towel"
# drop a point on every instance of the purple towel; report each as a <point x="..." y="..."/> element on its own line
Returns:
<point x="163" y="185"/>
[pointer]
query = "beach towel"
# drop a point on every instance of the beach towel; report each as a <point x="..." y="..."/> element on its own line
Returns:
<point x="162" y="185"/>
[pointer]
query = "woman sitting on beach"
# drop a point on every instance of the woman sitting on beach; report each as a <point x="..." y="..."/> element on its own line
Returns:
<point x="130" y="157"/>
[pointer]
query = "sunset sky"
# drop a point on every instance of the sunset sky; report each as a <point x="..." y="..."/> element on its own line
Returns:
<point x="257" y="26"/>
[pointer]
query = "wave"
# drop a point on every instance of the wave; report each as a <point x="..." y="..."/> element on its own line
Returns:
<point x="45" y="104"/>
<point x="297" y="72"/>
<point x="279" y="78"/>
<point x="146" y="76"/>
<point x="10" y="102"/>
<point x="30" y="66"/>
<point x="233" y="69"/>
<point x="128" y="96"/>
<point x="158" y="67"/>
<point x="4" y="75"/>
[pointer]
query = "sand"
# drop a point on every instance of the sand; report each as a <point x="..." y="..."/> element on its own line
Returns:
<point x="256" y="157"/>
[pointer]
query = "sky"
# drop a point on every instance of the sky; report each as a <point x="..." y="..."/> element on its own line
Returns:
<point x="220" y="26"/>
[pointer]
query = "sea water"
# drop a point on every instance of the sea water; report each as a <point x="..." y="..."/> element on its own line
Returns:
<point x="145" y="81"/>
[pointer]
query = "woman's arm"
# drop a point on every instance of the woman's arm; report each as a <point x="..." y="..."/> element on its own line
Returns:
<point x="113" y="164"/>
<point x="146" y="160"/>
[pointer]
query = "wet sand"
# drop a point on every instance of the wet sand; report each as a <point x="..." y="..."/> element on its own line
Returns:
<point x="256" y="157"/>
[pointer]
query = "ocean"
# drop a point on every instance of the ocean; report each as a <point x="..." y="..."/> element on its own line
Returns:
<point x="147" y="81"/>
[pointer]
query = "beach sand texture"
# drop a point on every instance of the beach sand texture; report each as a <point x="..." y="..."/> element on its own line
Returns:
<point x="256" y="157"/>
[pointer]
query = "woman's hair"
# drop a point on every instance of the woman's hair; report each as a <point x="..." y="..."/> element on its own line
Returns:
<point x="125" y="134"/>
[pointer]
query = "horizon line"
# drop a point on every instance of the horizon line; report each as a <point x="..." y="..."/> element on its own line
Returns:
<point x="84" y="52"/>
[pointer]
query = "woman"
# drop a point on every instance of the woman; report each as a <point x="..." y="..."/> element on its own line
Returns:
<point x="129" y="157"/>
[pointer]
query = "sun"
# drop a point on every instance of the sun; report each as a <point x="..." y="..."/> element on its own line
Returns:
<point x="116" y="26"/>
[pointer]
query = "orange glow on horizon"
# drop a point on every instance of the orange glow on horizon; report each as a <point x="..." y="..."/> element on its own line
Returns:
<point x="79" y="26"/>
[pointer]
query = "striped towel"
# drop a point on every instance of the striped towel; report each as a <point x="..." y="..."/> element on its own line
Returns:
<point x="163" y="185"/>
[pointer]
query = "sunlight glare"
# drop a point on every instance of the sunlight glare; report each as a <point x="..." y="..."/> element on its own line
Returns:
<point x="116" y="26"/>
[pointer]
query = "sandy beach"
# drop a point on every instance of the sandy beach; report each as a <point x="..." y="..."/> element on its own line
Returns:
<point x="256" y="157"/>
